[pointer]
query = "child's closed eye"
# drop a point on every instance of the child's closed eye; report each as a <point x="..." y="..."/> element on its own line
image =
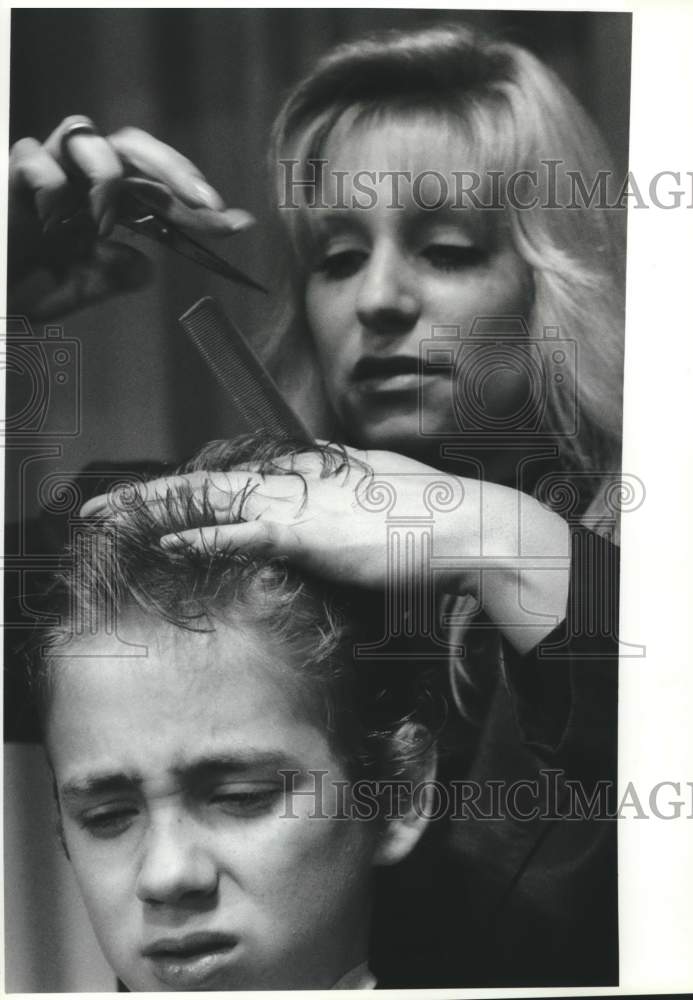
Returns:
<point x="109" y="821"/>
<point x="245" y="799"/>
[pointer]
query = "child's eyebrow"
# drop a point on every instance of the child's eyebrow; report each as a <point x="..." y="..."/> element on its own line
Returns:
<point x="98" y="784"/>
<point x="239" y="762"/>
<point x="204" y="767"/>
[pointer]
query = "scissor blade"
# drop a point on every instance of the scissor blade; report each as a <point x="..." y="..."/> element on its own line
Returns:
<point x="147" y="223"/>
<point x="214" y="263"/>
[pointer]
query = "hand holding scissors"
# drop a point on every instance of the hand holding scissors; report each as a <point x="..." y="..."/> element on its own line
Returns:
<point x="76" y="187"/>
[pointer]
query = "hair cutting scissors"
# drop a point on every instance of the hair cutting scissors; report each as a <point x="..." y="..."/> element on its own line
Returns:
<point x="142" y="220"/>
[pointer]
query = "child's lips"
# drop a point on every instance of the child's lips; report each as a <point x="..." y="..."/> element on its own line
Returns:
<point x="192" y="961"/>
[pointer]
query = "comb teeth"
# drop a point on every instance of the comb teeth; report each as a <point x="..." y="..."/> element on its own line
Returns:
<point x="254" y="396"/>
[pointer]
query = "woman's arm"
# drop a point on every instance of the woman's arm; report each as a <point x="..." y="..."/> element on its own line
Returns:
<point x="524" y="571"/>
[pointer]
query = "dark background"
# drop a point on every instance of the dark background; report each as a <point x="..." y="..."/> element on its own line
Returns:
<point x="209" y="82"/>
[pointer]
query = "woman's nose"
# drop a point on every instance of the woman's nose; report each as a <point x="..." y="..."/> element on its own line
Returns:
<point x="175" y="864"/>
<point x="388" y="300"/>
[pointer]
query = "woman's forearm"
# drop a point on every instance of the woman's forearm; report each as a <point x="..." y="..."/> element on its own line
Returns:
<point x="521" y="574"/>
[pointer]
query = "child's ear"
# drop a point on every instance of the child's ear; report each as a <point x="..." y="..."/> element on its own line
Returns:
<point x="412" y="802"/>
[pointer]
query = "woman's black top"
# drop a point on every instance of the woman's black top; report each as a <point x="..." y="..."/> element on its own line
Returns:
<point x="492" y="898"/>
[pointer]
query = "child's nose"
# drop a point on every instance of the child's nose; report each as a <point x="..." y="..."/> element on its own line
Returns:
<point x="176" y="864"/>
<point x="388" y="299"/>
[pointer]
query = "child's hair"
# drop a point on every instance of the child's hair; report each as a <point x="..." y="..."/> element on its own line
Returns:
<point x="516" y="115"/>
<point x="380" y="720"/>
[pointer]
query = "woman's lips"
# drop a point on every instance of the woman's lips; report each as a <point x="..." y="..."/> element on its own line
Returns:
<point x="390" y="383"/>
<point x="396" y="373"/>
<point x="193" y="962"/>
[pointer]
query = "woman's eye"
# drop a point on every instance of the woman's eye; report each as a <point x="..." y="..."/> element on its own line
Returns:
<point x="453" y="256"/>
<point x="341" y="263"/>
<point x="245" y="801"/>
<point x="108" y="822"/>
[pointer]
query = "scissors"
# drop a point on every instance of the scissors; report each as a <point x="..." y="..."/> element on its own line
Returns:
<point x="140" y="219"/>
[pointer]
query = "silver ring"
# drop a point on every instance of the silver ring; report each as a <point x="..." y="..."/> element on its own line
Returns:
<point x="83" y="126"/>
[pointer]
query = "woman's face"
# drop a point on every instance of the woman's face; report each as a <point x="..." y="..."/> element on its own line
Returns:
<point x="389" y="272"/>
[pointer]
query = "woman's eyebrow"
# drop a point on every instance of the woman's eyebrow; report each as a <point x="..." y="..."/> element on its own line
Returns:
<point x="472" y="225"/>
<point x="334" y="221"/>
<point x="331" y="220"/>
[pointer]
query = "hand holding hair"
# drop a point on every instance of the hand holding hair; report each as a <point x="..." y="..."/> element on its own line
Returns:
<point x="332" y="518"/>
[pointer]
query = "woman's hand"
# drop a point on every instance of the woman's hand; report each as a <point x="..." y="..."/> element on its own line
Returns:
<point x="381" y="520"/>
<point x="332" y="524"/>
<point x="63" y="204"/>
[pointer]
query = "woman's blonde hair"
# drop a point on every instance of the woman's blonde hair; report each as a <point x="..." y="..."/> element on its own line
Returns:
<point x="517" y="116"/>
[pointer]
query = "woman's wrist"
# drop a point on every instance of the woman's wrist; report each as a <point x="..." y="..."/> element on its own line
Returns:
<point x="516" y="563"/>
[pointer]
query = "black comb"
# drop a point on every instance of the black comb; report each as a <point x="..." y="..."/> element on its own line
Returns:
<point x="253" y="394"/>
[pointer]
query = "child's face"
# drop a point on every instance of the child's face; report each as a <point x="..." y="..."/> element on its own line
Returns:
<point x="172" y="807"/>
<point x="384" y="276"/>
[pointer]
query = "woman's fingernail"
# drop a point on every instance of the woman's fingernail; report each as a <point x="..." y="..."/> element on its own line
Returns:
<point x="206" y="195"/>
<point x="239" y="220"/>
